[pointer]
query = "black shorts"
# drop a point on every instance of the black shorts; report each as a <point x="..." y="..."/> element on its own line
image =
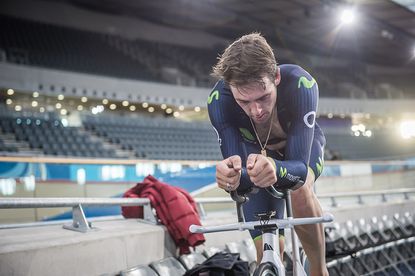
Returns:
<point x="262" y="201"/>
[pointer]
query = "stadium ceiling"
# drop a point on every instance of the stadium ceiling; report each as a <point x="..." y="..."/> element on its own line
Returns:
<point x="384" y="31"/>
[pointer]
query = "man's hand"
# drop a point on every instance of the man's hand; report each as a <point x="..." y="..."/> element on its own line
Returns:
<point x="228" y="173"/>
<point x="261" y="170"/>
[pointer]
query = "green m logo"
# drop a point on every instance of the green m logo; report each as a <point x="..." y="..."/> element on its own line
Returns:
<point x="306" y="83"/>
<point x="283" y="172"/>
<point x="214" y="94"/>
<point x="247" y="134"/>
<point x="319" y="165"/>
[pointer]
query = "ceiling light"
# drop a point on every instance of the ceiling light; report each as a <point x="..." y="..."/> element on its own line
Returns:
<point x="42" y="109"/>
<point x="169" y="110"/>
<point x="151" y="109"/>
<point x="347" y="16"/>
<point x="132" y="107"/>
<point x="35" y="94"/>
<point x="113" y="106"/>
<point x="18" y="108"/>
<point x="9" y="101"/>
<point x="58" y="106"/>
<point x="80" y="108"/>
<point x="105" y="101"/>
<point x="125" y="103"/>
<point x="163" y="106"/>
<point x="176" y="114"/>
<point x="61" y="97"/>
<point x="181" y="108"/>
<point x="145" y="105"/>
<point x="197" y="108"/>
<point x="34" y="103"/>
<point x="84" y="99"/>
<point x="64" y="112"/>
<point x="10" y="92"/>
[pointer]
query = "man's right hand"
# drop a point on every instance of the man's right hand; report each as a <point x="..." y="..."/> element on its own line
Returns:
<point x="228" y="173"/>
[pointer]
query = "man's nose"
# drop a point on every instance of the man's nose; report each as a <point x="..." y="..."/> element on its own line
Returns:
<point x="256" y="109"/>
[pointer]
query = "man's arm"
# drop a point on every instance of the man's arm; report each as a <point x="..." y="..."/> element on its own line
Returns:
<point x="292" y="172"/>
<point x="229" y="138"/>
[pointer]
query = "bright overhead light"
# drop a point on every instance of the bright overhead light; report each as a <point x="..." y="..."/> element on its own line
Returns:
<point x="58" y="106"/>
<point x="181" y="108"/>
<point x="113" y="106"/>
<point x="151" y="109"/>
<point x="84" y="99"/>
<point x="197" y="108"/>
<point x="34" y="103"/>
<point x="64" y="112"/>
<point x="145" y="105"/>
<point x="163" y="106"/>
<point x="169" y="110"/>
<point x="347" y="16"/>
<point x="176" y="114"/>
<point x="9" y="101"/>
<point x="18" y="108"/>
<point x="61" y="97"/>
<point x="42" y="109"/>
<point x="80" y="108"/>
<point x="35" y="94"/>
<point x="105" y="101"/>
<point x="407" y="129"/>
<point x="125" y="103"/>
<point x="10" y="92"/>
<point x="132" y="107"/>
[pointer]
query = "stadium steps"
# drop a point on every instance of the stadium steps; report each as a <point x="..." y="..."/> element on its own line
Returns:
<point x="23" y="147"/>
<point x="107" y="145"/>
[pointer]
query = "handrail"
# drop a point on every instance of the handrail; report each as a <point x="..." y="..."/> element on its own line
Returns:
<point x="332" y="196"/>
<point x="50" y="202"/>
<point x="79" y="221"/>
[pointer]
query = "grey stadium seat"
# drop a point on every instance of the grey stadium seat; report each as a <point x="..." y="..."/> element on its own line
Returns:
<point x="168" y="266"/>
<point x="141" y="270"/>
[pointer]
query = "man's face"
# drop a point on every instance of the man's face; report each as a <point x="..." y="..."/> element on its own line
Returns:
<point x="257" y="99"/>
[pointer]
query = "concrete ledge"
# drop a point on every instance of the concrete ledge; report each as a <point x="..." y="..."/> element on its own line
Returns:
<point x="52" y="250"/>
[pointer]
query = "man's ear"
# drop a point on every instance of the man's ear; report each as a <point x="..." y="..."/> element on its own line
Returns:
<point x="277" y="77"/>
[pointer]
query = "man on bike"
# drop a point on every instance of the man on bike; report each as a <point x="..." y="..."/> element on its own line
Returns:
<point x="264" y="115"/>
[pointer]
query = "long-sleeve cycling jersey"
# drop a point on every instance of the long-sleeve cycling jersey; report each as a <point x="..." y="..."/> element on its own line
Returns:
<point x="296" y="107"/>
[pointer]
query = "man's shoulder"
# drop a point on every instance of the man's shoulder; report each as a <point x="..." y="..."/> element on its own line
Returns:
<point x="220" y="93"/>
<point x="295" y="77"/>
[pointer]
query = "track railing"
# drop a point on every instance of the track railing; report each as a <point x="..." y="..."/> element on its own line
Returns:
<point x="79" y="221"/>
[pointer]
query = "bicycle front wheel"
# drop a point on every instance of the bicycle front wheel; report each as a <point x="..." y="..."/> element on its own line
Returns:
<point x="266" y="269"/>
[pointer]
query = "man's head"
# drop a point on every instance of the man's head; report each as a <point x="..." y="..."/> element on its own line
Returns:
<point x="249" y="67"/>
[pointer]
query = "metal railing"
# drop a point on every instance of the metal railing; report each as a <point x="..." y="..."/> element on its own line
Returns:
<point x="360" y="198"/>
<point x="79" y="221"/>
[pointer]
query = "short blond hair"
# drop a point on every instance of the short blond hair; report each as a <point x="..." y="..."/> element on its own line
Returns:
<point x="248" y="59"/>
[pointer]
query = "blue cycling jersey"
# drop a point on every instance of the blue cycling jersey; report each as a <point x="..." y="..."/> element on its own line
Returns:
<point x="296" y="107"/>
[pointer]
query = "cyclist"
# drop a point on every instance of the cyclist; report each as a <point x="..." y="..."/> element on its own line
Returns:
<point x="264" y="116"/>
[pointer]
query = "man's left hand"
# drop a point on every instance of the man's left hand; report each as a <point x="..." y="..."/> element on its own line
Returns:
<point x="261" y="170"/>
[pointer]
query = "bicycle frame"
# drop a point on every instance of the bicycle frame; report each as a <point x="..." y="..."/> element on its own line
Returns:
<point x="269" y="237"/>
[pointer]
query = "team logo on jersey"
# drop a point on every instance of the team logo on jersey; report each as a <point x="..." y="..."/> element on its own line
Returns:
<point x="306" y="83"/>
<point x="283" y="172"/>
<point x="214" y="94"/>
<point x="310" y="119"/>
<point x="219" y="139"/>
<point x="319" y="165"/>
<point x="246" y="134"/>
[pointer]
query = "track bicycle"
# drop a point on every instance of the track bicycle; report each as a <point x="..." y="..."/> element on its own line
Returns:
<point x="271" y="263"/>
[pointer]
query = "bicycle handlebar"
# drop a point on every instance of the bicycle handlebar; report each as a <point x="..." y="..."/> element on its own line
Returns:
<point x="279" y="223"/>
